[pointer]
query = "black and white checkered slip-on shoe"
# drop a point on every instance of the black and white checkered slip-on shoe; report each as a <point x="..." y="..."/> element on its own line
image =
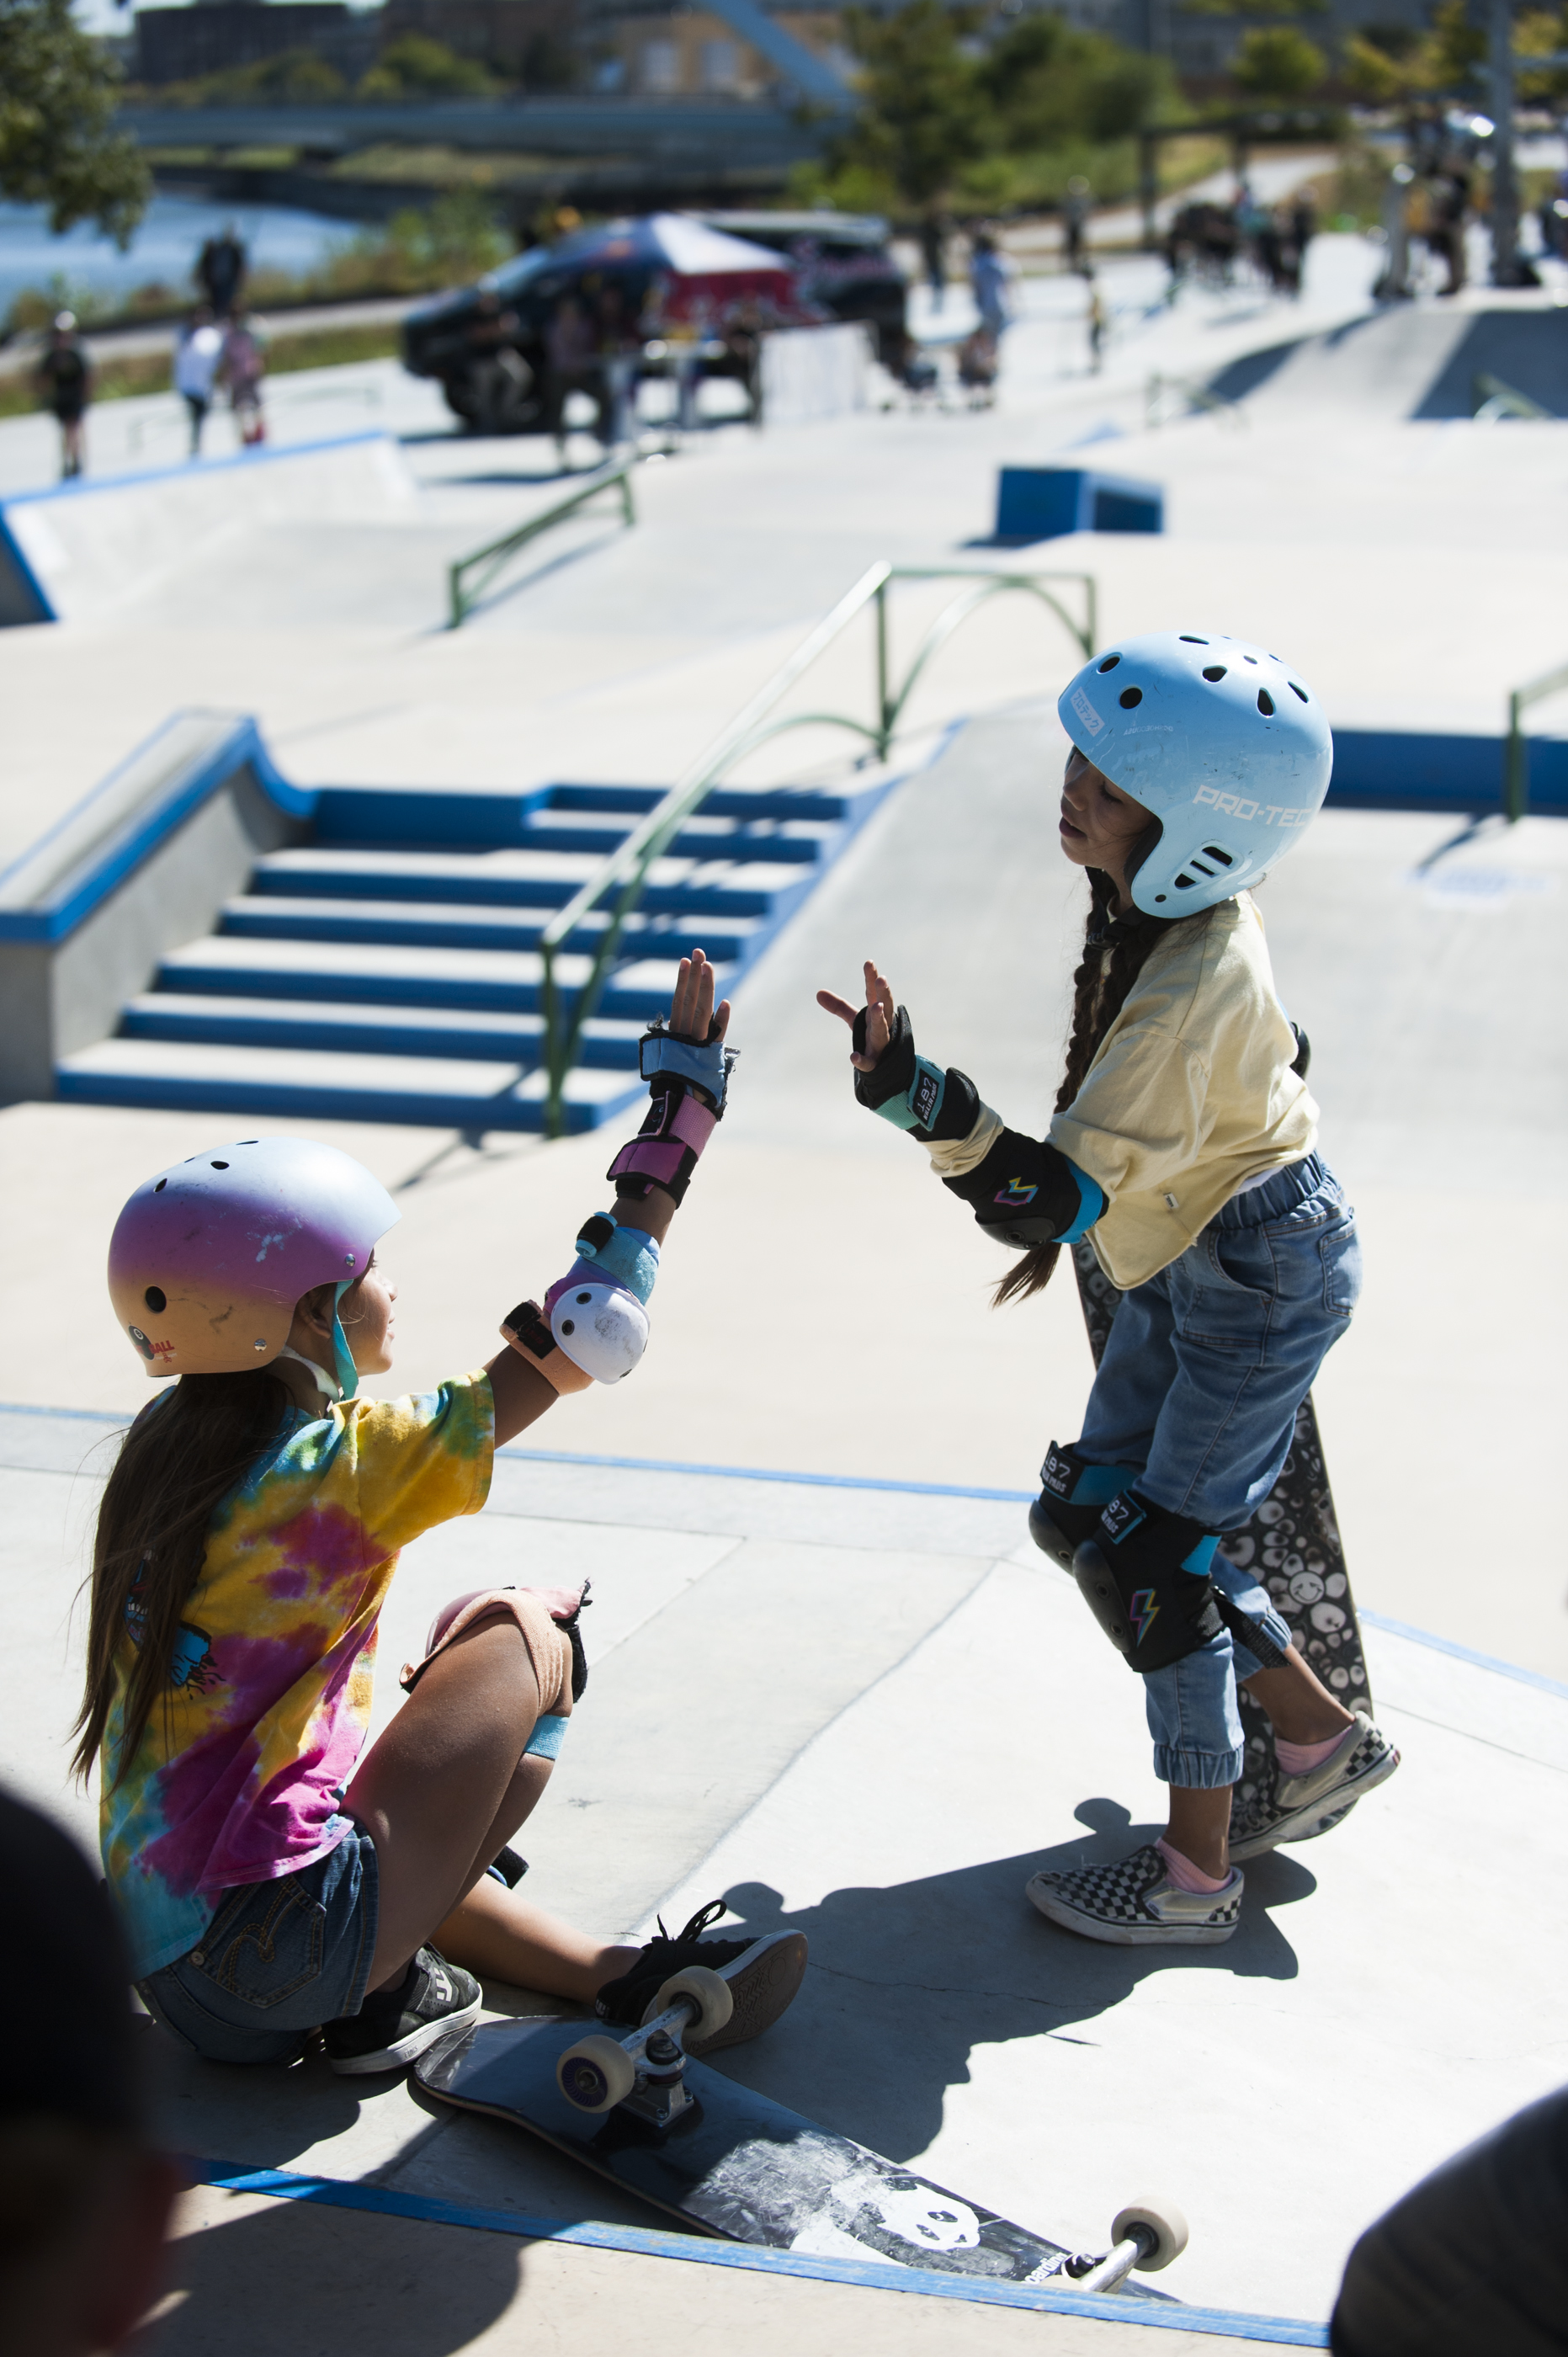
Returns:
<point x="1135" y="1904"/>
<point x="1302" y="1806"/>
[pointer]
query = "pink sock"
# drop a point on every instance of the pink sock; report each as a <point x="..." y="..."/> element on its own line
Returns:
<point x="1298" y="1759"/>
<point x="1184" y="1875"/>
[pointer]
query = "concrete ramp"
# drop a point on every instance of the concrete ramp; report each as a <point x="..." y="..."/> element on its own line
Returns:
<point x="84" y="547"/>
<point x="1409" y="361"/>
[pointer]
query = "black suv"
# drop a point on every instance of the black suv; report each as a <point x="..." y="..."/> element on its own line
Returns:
<point x="843" y="263"/>
<point x="457" y="337"/>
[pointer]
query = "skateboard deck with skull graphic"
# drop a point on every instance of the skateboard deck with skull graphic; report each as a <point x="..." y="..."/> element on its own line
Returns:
<point x="1292" y="1548"/>
<point x="733" y="2163"/>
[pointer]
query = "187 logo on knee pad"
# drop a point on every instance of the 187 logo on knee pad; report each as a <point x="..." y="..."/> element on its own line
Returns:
<point x="1123" y="1514"/>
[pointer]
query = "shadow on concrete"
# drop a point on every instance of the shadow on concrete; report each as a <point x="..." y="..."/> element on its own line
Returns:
<point x="290" y="2277"/>
<point x="906" y="1982"/>
<point x="1240" y="377"/>
<point x="1526" y="349"/>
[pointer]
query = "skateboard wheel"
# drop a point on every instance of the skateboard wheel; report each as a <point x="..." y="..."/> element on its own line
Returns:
<point x="708" y="1992"/>
<point x="595" y="2074"/>
<point x="1164" y="2221"/>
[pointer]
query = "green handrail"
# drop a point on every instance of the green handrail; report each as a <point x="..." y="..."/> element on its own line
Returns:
<point x="1491" y="398"/>
<point x="489" y="560"/>
<point x="628" y="863"/>
<point x="1516" y="752"/>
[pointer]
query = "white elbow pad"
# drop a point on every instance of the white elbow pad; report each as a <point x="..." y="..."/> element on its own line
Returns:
<point x="602" y="1328"/>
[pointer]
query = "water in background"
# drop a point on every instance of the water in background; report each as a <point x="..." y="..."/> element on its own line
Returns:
<point x="172" y="234"/>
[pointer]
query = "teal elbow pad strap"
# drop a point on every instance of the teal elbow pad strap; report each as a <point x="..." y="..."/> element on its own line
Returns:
<point x="1092" y="1204"/>
<point x="628" y="1254"/>
<point x="922" y="1102"/>
<point x="549" y="1734"/>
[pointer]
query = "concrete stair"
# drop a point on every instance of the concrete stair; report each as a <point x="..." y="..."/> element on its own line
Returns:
<point x="386" y="968"/>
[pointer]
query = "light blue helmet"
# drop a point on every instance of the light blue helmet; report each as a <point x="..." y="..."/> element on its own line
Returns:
<point x="1227" y="749"/>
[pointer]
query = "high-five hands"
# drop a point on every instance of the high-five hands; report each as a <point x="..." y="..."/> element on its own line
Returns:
<point x="692" y="1015"/>
<point x="881" y="1009"/>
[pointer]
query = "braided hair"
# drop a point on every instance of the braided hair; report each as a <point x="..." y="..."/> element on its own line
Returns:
<point x="1114" y="950"/>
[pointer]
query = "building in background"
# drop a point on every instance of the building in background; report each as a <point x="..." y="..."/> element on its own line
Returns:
<point x="215" y="36"/>
<point x="645" y="49"/>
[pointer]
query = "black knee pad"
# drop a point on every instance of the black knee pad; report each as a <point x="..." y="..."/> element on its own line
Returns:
<point x="1132" y="1575"/>
<point x="1073" y="1497"/>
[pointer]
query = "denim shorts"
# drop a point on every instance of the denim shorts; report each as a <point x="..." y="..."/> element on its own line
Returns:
<point x="1203" y="1374"/>
<point x="277" y="1960"/>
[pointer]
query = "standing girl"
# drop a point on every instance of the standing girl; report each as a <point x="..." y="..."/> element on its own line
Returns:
<point x="274" y="1877"/>
<point x="1184" y="1148"/>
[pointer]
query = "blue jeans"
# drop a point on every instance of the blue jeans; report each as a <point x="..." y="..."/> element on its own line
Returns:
<point x="277" y="1960"/>
<point x="1205" y="1369"/>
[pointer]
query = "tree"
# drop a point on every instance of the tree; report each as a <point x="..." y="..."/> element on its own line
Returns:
<point x="923" y="114"/>
<point x="413" y="66"/>
<point x="57" y="147"/>
<point x="1279" y="62"/>
<point x="1053" y="86"/>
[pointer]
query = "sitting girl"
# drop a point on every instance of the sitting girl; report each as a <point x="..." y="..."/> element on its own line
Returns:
<point x="1184" y="1148"/>
<point x="274" y="1878"/>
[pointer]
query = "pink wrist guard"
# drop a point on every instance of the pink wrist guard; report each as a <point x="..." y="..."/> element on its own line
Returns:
<point x="666" y="1150"/>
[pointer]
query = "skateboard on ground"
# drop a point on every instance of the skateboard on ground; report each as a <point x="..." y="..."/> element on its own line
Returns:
<point x="1291" y="1547"/>
<point x="728" y="2162"/>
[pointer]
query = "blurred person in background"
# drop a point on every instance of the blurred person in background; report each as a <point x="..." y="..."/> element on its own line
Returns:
<point x="84" y="2202"/>
<point x="990" y="278"/>
<point x="570" y="361"/>
<point x="196" y="356"/>
<point x="220" y="270"/>
<point x="65" y="380"/>
<point x="241" y="366"/>
<point x="1075" y="216"/>
<point x="934" y="254"/>
<point x="1098" y="321"/>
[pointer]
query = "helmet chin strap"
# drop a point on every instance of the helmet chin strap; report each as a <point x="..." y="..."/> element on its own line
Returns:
<point x="342" y="1357"/>
<point x="327" y="1384"/>
<point x="344" y="1383"/>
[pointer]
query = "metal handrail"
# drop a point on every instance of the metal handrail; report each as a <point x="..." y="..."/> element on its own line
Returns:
<point x="1491" y="398"/>
<point x="1516" y="751"/>
<point x="628" y="863"/>
<point x="1195" y="395"/>
<point x="461" y="600"/>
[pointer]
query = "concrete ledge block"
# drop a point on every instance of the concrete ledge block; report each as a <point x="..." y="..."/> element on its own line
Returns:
<point x="1045" y="502"/>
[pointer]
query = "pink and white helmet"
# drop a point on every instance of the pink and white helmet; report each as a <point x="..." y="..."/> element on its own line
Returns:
<point x="210" y="1258"/>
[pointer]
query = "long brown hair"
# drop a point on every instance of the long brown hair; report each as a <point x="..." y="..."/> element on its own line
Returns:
<point x="179" y="1459"/>
<point x="1114" y="950"/>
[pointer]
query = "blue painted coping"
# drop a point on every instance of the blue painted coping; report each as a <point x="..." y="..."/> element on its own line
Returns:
<point x="106" y="867"/>
<point x="1044" y="503"/>
<point x="653" y="2243"/>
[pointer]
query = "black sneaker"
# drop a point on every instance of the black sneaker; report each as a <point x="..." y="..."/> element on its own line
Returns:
<point x="394" y="2025"/>
<point x="763" y="1975"/>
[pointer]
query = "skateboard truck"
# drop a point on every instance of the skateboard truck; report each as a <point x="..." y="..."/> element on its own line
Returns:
<point x="644" y="2072"/>
<point x="1146" y="2236"/>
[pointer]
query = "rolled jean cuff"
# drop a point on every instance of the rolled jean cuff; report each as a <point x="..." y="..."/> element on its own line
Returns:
<point x="1204" y="1772"/>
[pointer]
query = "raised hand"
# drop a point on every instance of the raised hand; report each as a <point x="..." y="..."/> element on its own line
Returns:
<point x="881" y="1010"/>
<point x="691" y="1013"/>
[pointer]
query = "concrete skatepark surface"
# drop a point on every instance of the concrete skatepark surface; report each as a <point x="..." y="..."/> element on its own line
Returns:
<point x="877" y="1710"/>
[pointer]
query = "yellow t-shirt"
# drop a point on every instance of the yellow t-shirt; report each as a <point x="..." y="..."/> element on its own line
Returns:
<point x="1191" y="1093"/>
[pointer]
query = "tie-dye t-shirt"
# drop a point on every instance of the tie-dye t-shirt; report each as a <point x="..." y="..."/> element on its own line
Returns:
<point x="240" y="1780"/>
